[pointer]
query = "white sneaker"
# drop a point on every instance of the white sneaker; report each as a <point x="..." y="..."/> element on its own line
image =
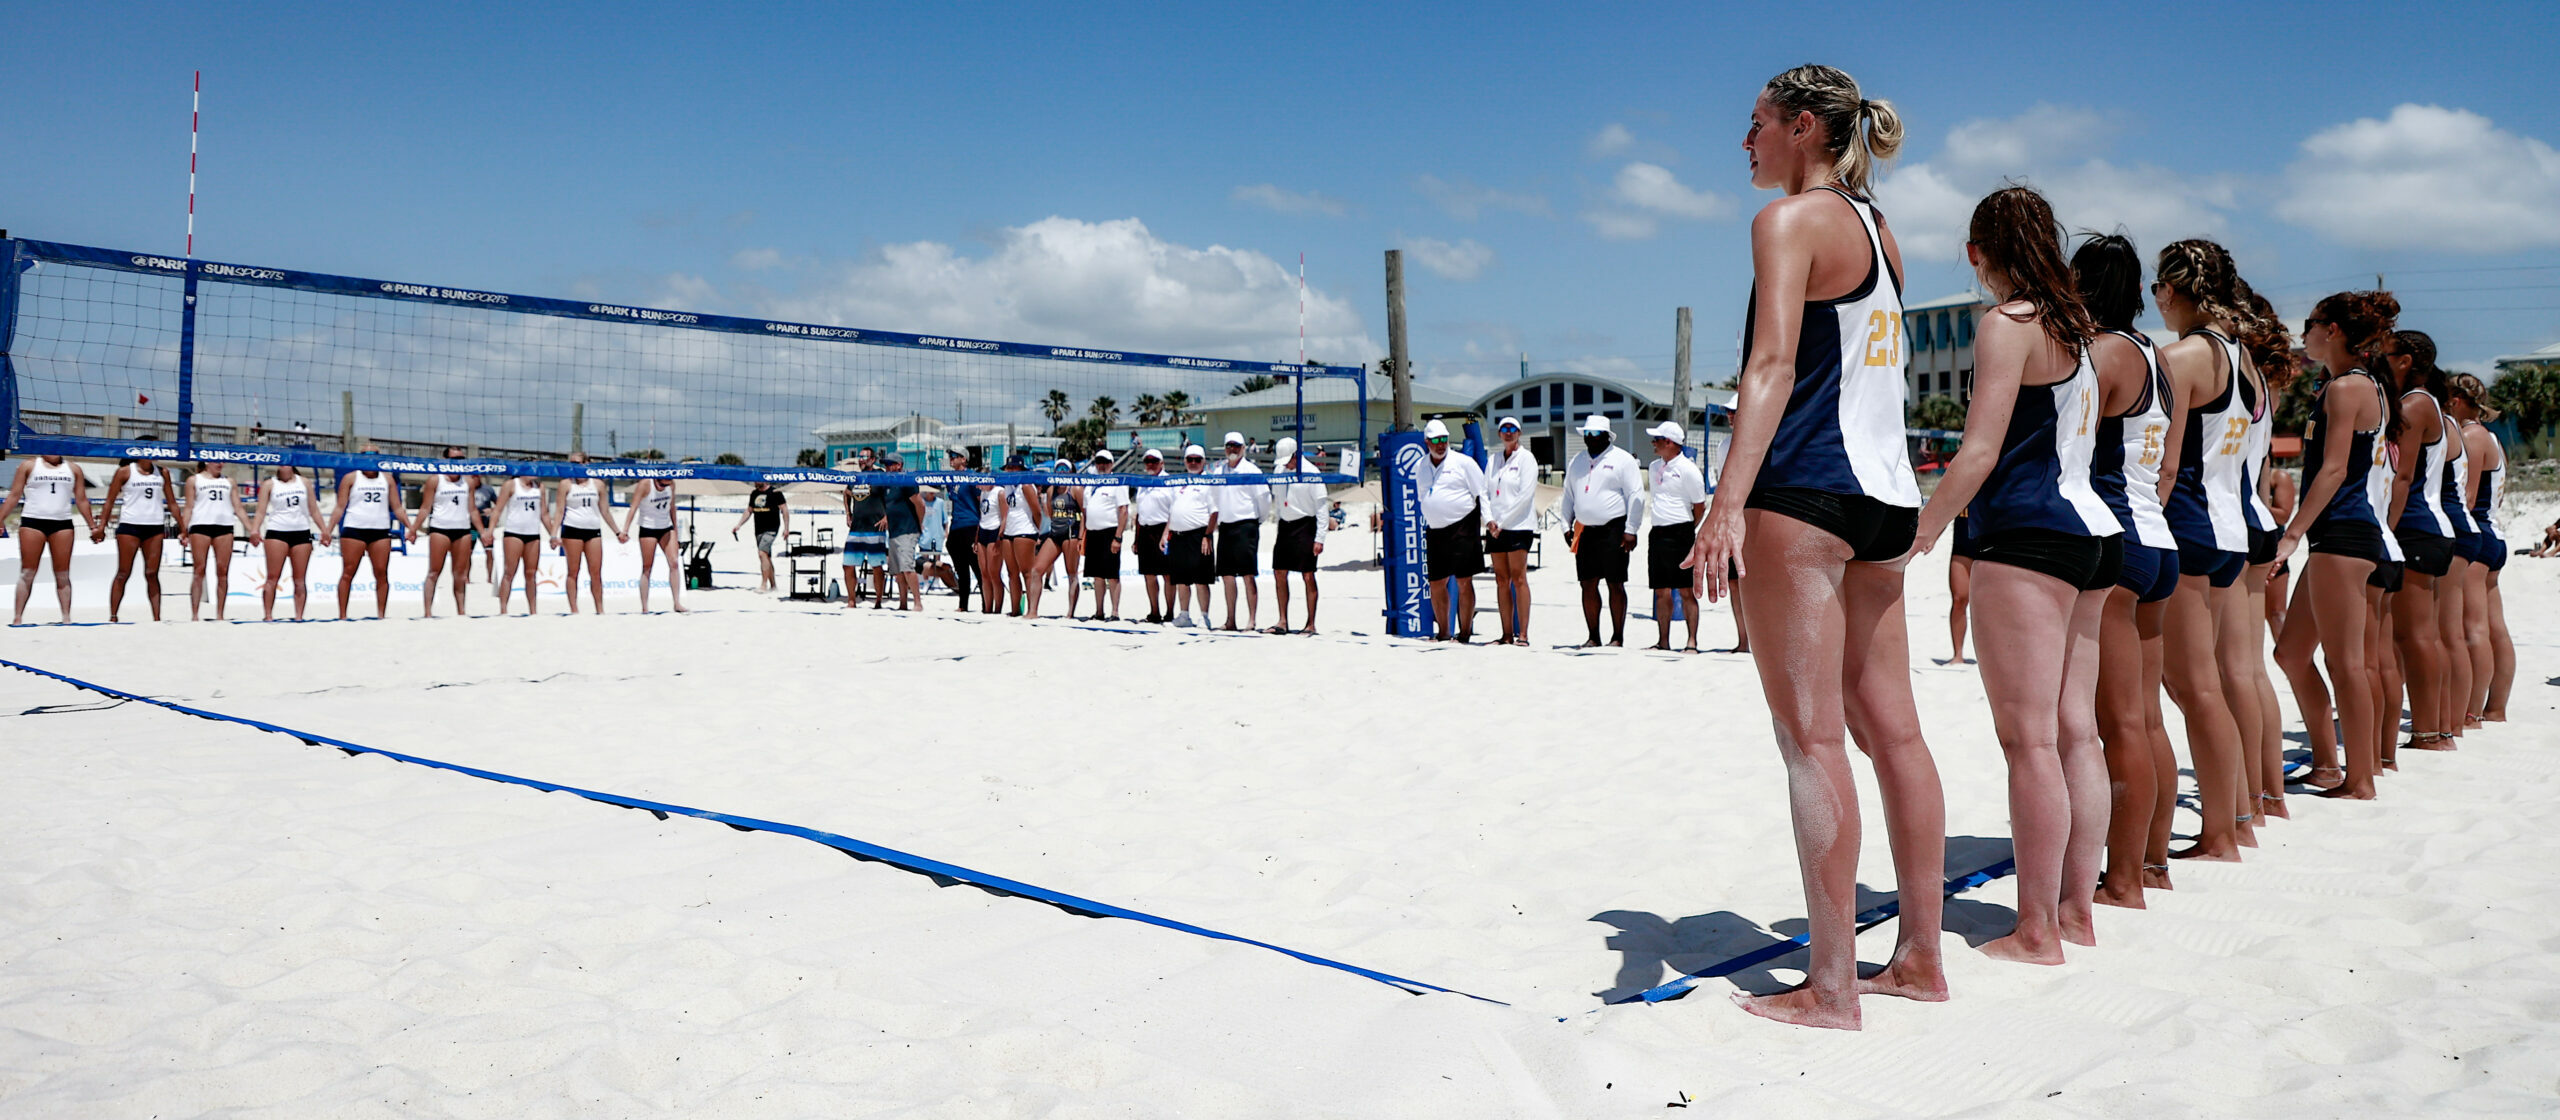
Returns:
<point x="1182" y="622"/>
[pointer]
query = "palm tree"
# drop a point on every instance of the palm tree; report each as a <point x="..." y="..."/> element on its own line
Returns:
<point x="1150" y="409"/>
<point x="1176" y="403"/>
<point x="1254" y="384"/>
<point x="1106" y="410"/>
<point x="1055" y="407"/>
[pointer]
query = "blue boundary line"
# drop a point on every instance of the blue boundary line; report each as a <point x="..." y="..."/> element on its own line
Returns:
<point x="857" y="848"/>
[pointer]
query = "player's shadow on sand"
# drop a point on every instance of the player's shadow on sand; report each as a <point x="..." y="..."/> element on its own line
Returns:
<point x="1653" y="949"/>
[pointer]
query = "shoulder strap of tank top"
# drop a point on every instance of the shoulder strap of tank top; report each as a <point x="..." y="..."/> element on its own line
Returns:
<point x="1879" y="267"/>
<point x="2150" y="374"/>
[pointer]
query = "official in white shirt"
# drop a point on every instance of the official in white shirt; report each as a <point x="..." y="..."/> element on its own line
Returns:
<point x="1454" y="491"/>
<point x="1511" y="523"/>
<point x="1604" y="502"/>
<point x="1679" y="503"/>
<point x="1300" y="539"/>
<point x="1154" y="508"/>
<point x="1106" y="520"/>
<point x="1240" y="513"/>
<point x="1188" y="540"/>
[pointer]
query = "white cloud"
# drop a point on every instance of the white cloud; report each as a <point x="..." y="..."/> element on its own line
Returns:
<point x="1610" y="141"/>
<point x="2427" y="177"/>
<point x="755" y="260"/>
<point x="1466" y="201"/>
<point x="1645" y="193"/>
<point x="1286" y="201"/>
<point x="2059" y="151"/>
<point x="1111" y="284"/>
<point x="1464" y="259"/>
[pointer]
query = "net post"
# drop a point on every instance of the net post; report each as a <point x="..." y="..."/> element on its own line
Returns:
<point x="8" y="334"/>
<point x="187" y="365"/>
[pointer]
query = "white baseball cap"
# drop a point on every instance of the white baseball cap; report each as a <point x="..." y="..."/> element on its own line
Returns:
<point x="1435" y="430"/>
<point x="1285" y="448"/>
<point x="1511" y="422"/>
<point x="1153" y="455"/>
<point x="1194" y="452"/>
<point x="1668" y="429"/>
<point x="1103" y="455"/>
<point x="1235" y="439"/>
<point x="1595" y="424"/>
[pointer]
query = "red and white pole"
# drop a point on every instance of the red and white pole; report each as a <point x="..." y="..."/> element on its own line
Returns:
<point x="194" y="114"/>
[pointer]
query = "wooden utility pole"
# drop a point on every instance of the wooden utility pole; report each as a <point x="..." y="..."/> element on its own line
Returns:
<point x="1680" y="371"/>
<point x="1399" y="362"/>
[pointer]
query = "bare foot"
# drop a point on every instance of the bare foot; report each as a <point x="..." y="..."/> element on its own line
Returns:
<point x="2208" y="855"/>
<point x="1925" y="983"/>
<point x="2246" y="832"/>
<point x="2350" y="793"/>
<point x="2272" y="805"/>
<point x="2128" y="896"/>
<point x="2079" y="929"/>
<point x="2337" y="776"/>
<point x="680" y="608"/>
<point x="2437" y="742"/>
<point x="1801" y="1007"/>
<point x="2499" y="716"/>
<point x="2155" y="877"/>
<point x="2015" y="948"/>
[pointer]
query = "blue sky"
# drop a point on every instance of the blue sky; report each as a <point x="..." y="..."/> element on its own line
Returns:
<point x="1145" y="177"/>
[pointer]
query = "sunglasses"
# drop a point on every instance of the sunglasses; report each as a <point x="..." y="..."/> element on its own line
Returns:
<point x="2316" y="321"/>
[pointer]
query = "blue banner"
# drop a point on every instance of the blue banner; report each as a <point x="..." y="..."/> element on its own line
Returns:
<point x="1408" y="592"/>
<point x="218" y="272"/>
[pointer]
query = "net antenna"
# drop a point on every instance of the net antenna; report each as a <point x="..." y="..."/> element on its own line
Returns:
<point x="195" y="117"/>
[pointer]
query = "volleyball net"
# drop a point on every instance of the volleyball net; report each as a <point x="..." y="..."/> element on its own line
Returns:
<point x="113" y="354"/>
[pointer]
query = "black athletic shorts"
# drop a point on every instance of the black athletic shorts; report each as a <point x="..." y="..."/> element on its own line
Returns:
<point x="145" y="532"/>
<point x="574" y="533"/>
<point x="44" y="526"/>
<point x="2222" y="569"/>
<point x="1151" y="560"/>
<point x="1875" y="532"/>
<point x="987" y="536"/>
<point x="1511" y="540"/>
<point x="649" y="534"/>
<point x="527" y="538"/>
<point x="2387" y="575"/>
<point x="290" y="538"/>
<point x="2262" y="546"/>
<point x="1600" y="552"/>
<point x="1665" y="546"/>
<point x="1454" y="550"/>
<point x="2070" y="557"/>
<point x="364" y="536"/>
<point x="2339" y="536"/>
<point x="1961" y="537"/>
<point x="2427" y="554"/>
<point x="2150" y="573"/>
<point x="202" y="530"/>
<point x="1294" y="548"/>
<point x="463" y="533"/>
<point x="1239" y="549"/>
<point x="1185" y="563"/>
<point x="1102" y="553"/>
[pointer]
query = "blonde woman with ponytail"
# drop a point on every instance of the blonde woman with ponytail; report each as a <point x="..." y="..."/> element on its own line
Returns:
<point x="1818" y="496"/>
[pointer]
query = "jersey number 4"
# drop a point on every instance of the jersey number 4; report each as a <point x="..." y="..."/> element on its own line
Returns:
<point x="1884" y="339"/>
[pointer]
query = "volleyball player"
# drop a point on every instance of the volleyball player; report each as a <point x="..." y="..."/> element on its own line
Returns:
<point x="2042" y="560"/>
<point x="1106" y="524"/>
<point x="581" y="515"/>
<point x="1825" y="476"/>
<point x="1023" y="510"/>
<point x="1064" y="540"/>
<point x="210" y="517"/>
<point x="2342" y="517"/>
<point x="2429" y="444"/>
<point x="1298" y="539"/>
<point x="2241" y="636"/>
<point x="1511" y="528"/>
<point x="1190" y="530"/>
<point x="452" y="522"/>
<point x="368" y="500"/>
<point x="524" y="519"/>
<point x="992" y="596"/>
<point x="2133" y="441"/>
<point x="1679" y="500"/>
<point x="1153" y="506"/>
<point x="2453" y="589"/>
<point x="141" y="491"/>
<point x="652" y="512"/>
<point x="1959" y="586"/>
<point x="866" y="536"/>
<point x="48" y="492"/>
<point x="2196" y="290"/>
<point x="1240" y="513"/>
<point x="286" y="531"/>
<point x="2492" y="652"/>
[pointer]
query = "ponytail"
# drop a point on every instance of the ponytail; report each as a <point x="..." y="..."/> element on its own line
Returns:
<point x="1862" y="133"/>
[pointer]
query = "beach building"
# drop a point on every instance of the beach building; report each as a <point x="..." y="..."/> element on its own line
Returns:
<point x="1939" y="335"/>
<point x="1333" y="411"/>
<point x="1551" y="406"/>
<point x="921" y="439"/>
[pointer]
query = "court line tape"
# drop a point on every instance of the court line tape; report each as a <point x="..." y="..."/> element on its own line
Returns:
<point x="859" y="849"/>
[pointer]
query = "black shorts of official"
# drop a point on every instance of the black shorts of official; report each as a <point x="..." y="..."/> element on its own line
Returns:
<point x="2426" y="553"/>
<point x="1239" y="549"/>
<point x="646" y="533"/>
<point x="2388" y="575"/>
<point x="527" y="538"/>
<point x="44" y="526"/>
<point x="192" y="530"/>
<point x="144" y="532"/>
<point x="1454" y="550"/>
<point x="1151" y="559"/>
<point x="2262" y="546"/>
<point x="1511" y="540"/>
<point x="364" y="536"/>
<point x="1185" y="561"/>
<point x="2070" y="557"/>
<point x="2339" y="536"/>
<point x="2150" y="573"/>
<point x="2220" y="568"/>
<point x="463" y="533"/>
<point x="1293" y="549"/>
<point x="1665" y="547"/>
<point x="1102" y="554"/>
<point x="1600" y="552"/>
<point x="1874" y="531"/>
<point x="290" y="538"/>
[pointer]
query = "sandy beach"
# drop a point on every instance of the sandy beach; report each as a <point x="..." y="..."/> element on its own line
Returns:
<point x="205" y="918"/>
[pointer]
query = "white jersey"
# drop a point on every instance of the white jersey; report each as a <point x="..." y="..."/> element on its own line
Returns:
<point x="581" y="504"/>
<point x="2378" y="476"/>
<point x="288" y="505"/>
<point x="2493" y="489"/>
<point x="452" y="508"/>
<point x="657" y="510"/>
<point x="213" y="502"/>
<point x="145" y="497"/>
<point x="523" y="514"/>
<point x="1017" y="513"/>
<point x="49" y="490"/>
<point x="2145" y="444"/>
<point x="367" y="501"/>
<point x="2457" y="471"/>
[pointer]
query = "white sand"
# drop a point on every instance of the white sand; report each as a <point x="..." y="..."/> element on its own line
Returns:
<point x="204" y="918"/>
